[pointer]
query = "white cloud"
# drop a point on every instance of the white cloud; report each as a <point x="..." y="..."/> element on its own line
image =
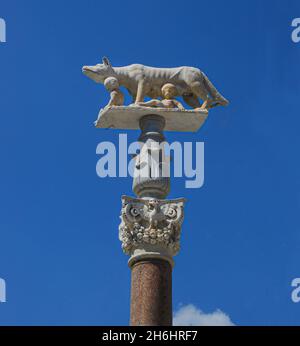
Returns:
<point x="189" y="315"/>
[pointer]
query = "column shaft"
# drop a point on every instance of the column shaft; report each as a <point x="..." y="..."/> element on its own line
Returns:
<point x="151" y="293"/>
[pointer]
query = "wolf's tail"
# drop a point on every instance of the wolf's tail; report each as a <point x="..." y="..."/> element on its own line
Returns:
<point x="217" y="98"/>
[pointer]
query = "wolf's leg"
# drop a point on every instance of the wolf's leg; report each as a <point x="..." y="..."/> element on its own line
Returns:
<point x="217" y="98"/>
<point x="140" y="92"/>
<point x="200" y="91"/>
<point x="206" y="104"/>
<point x="191" y="100"/>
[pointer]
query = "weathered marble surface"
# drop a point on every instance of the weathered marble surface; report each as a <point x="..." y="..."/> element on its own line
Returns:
<point x="141" y="81"/>
<point x="116" y="96"/>
<point x="127" y="117"/>
<point x="169" y="93"/>
<point x="151" y="227"/>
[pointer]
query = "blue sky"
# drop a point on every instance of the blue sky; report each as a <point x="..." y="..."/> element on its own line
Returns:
<point x="59" y="248"/>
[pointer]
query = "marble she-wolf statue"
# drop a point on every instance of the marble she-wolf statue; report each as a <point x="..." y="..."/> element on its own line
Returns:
<point x="142" y="81"/>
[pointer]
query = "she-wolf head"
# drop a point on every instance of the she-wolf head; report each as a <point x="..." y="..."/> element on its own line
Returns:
<point x="99" y="72"/>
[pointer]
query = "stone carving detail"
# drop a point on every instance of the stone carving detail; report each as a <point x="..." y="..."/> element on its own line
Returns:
<point x="151" y="221"/>
<point x="116" y="96"/>
<point x="169" y="92"/>
<point x="141" y="81"/>
<point x="149" y="178"/>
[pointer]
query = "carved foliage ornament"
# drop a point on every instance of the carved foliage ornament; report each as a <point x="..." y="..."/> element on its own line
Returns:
<point x="150" y="221"/>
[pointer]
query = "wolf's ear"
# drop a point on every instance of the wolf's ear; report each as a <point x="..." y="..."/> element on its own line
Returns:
<point x="106" y="61"/>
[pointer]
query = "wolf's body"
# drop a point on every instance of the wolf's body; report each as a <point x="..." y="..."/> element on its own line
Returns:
<point x="142" y="81"/>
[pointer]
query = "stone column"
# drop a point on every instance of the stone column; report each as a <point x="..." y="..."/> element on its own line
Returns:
<point x="150" y="230"/>
<point x="148" y="178"/>
<point x="151" y="293"/>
